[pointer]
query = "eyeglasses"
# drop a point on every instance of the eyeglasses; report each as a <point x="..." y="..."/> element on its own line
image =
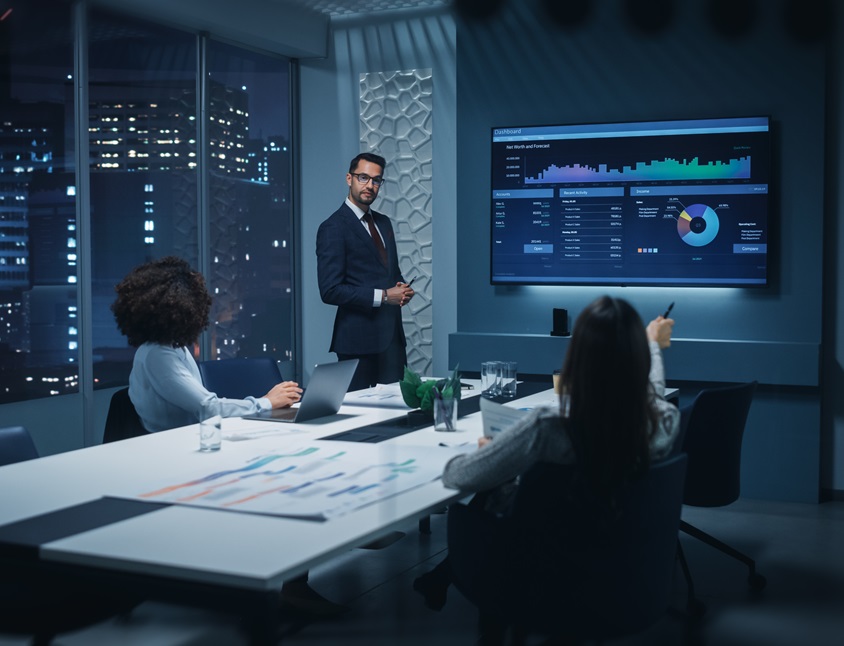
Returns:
<point x="364" y="179"/>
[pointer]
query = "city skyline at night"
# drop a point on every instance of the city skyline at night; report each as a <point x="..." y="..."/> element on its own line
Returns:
<point x="142" y="141"/>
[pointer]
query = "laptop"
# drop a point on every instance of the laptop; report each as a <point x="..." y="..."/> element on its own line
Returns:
<point x="322" y="397"/>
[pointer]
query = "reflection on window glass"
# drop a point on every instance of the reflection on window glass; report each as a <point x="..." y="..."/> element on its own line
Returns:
<point x="249" y="184"/>
<point x="38" y="299"/>
<point x="142" y="149"/>
<point x="143" y="170"/>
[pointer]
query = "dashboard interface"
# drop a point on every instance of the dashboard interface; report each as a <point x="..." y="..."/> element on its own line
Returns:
<point x="681" y="202"/>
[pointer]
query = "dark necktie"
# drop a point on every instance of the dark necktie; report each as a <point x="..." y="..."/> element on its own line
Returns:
<point x="376" y="238"/>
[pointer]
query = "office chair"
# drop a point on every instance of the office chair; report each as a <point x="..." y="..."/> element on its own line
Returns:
<point x="562" y="566"/>
<point x="35" y="603"/>
<point x="122" y="421"/>
<point x="16" y="445"/>
<point x="240" y="378"/>
<point x="712" y="427"/>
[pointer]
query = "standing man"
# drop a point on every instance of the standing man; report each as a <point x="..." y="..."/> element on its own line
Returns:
<point x="358" y="271"/>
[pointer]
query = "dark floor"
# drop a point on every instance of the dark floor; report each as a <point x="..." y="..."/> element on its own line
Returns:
<point x="798" y="547"/>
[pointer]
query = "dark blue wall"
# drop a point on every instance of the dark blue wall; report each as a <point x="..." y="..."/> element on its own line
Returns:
<point x="519" y="68"/>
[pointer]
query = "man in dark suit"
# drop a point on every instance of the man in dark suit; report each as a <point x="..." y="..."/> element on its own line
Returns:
<point x="358" y="271"/>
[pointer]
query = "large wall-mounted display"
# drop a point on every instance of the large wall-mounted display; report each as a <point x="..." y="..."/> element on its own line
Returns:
<point x="672" y="203"/>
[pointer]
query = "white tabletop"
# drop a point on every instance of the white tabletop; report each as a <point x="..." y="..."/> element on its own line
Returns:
<point x="242" y="550"/>
<point x="205" y="545"/>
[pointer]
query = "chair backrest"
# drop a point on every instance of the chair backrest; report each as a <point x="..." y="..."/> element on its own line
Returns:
<point x="122" y="421"/>
<point x="713" y="428"/>
<point x="566" y="565"/>
<point x="16" y="445"/>
<point x="240" y="378"/>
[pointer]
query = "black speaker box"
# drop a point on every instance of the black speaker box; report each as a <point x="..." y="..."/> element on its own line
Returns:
<point x="561" y="322"/>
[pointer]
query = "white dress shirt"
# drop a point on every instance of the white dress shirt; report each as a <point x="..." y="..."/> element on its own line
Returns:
<point x="378" y="295"/>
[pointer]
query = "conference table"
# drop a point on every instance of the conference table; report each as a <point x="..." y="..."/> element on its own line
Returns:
<point x="109" y="511"/>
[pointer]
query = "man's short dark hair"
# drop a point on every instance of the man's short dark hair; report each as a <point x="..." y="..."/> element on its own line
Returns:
<point x="370" y="157"/>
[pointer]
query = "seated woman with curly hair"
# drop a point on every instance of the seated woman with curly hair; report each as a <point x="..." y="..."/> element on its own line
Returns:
<point x="161" y="308"/>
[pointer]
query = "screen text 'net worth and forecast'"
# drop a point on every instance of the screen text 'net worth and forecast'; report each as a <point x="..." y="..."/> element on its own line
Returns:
<point x="645" y="203"/>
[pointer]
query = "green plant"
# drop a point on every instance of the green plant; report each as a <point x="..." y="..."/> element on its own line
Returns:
<point x="419" y="394"/>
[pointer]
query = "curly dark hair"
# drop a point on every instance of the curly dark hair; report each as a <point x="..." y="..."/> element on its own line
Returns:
<point x="163" y="301"/>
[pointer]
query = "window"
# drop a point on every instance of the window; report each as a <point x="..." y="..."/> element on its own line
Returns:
<point x="38" y="293"/>
<point x="249" y="185"/>
<point x="144" y="175"/>
<point x="142" y="135"/>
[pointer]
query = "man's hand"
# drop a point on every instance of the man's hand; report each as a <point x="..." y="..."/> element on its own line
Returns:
<point x="400" y="294"/>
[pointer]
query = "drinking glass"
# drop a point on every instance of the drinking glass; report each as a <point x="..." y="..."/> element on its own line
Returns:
<point x="489" y="371"/>
<point x="445" y="414"/>
<point x="508" y="371"/>
<point x="210" y="427"/>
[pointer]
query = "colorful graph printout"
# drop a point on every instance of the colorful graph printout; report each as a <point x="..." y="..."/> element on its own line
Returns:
<point x="309" y="482"/>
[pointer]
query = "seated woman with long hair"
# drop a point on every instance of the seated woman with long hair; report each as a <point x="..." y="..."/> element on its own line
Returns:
<point x="612" y="420"/>
<point x="162" y="306"/>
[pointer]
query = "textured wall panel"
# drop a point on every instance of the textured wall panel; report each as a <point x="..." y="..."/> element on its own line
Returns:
<point x="396" y="115"/>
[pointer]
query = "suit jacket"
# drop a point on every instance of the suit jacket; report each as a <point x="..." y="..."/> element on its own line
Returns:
<point x="349" y="268"/>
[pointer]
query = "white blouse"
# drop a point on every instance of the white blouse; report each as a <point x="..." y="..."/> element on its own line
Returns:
<point x="166" y="389"/>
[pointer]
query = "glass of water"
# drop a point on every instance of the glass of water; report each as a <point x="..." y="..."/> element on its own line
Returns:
<point x="489" y="379"/>
<point x="508" y="370"/>
<point x="210" y="426"/>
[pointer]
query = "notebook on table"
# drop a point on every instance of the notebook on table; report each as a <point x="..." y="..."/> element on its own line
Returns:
<point x="323" y="396"/>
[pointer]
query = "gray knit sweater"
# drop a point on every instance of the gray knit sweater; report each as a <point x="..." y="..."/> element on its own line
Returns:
<point x="538" y="438"/>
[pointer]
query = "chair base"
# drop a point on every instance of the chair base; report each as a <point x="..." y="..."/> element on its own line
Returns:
<point x="756" y="581"/>
<point x="694" y="606"/>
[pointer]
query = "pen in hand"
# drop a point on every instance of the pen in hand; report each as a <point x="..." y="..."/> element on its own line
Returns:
<point x="405" y="298"/>
<point x="668" y="311"/>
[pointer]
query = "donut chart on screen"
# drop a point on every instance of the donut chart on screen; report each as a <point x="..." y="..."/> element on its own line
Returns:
<point x="697" y="225"/>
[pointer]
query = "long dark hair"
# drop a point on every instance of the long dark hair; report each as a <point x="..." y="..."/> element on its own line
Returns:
<point x="606" y="394"/>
